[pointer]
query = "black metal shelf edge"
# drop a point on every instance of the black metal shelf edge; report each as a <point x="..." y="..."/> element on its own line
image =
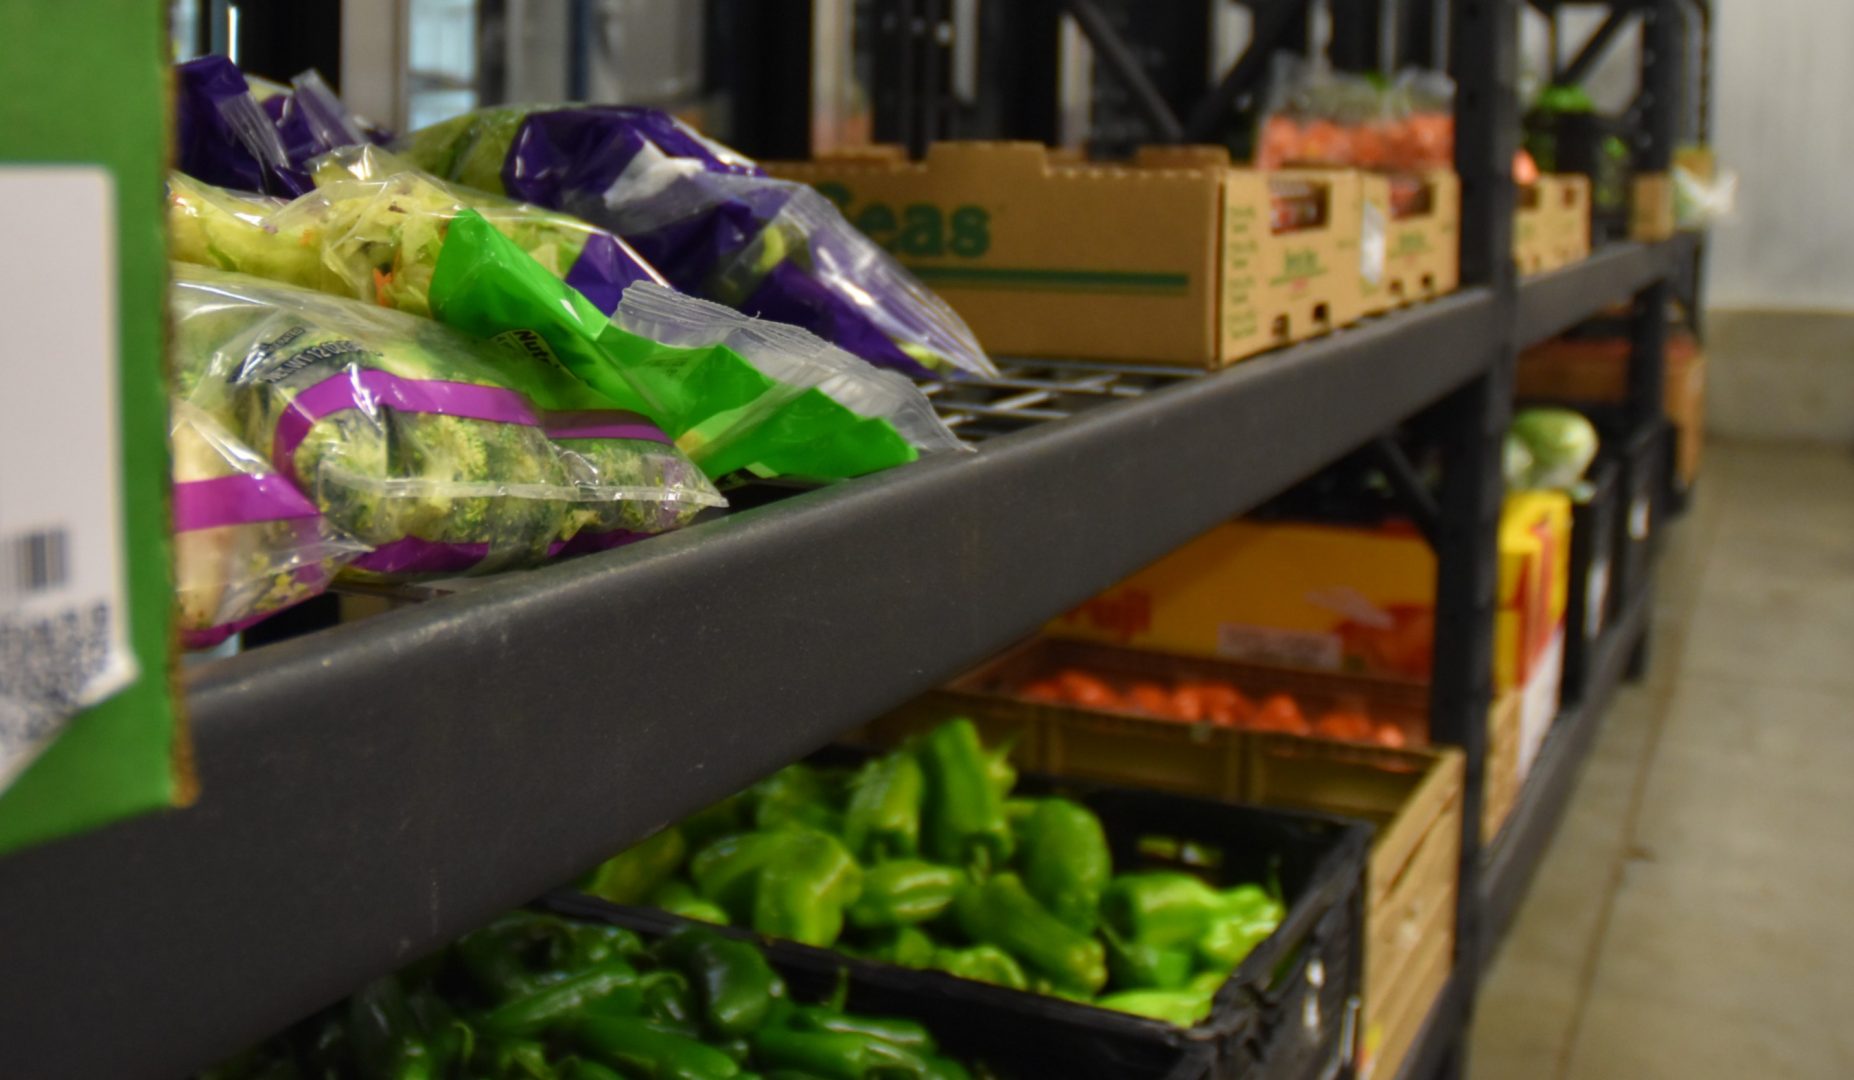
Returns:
<point x="1509" y="865"/>
<point x="1553" y="302"/>
<point x="374" y="790"/>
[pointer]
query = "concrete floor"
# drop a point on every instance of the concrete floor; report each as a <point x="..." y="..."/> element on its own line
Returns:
<point x="1692" y="917"/>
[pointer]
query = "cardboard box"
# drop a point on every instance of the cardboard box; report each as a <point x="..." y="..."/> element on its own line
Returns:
<point x="83" y="156"/>
<point x="1651" y="207"/>
<point x="1422" y="250"/>
<point x="1332" y="598"/>
<point x="1412" y="796"/>
<point x="1596" y="371"/>
<point x="1169" y="260"/>
<point x="1570" y="217"/>
<point x="1551" y="226"/>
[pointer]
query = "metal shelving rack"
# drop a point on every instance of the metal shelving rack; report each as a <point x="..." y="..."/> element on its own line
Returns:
<point x="375" y="789"/>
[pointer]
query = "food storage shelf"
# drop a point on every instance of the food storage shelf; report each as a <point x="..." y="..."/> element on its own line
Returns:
<point x="375" y="789"/>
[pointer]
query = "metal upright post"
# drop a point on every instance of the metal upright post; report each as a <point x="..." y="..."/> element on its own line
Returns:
<point x="1484" y="59"/>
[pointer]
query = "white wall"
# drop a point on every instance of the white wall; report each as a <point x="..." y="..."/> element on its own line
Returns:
<point x="1783" y="118"/>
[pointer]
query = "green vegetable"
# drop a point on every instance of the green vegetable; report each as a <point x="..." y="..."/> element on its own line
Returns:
<point x="736" y="984"/>
<point x="884" y="816"/>
<point x="1164" y="908"/>
<point x="907" y="1034"/>
<point x="904" y="891"/>
<point x="1181" y="1008"/>
<point x="1562" y="444"/>
<point x="1002" y="912"/>
<point x="1136" y="965"/>
<point x="728" y="870"/>
<point x="907" y="946"/>
<point x="835" y="1055"/>
<point x="680" y="898"/>
<point x="802" y="895"/>
<point x="964" y="812"/>
<point x="982" y="963"/>
<point x="562" y="1001"/>
<point x="633" y="874"/>
<point x="1066" y="862"/>
<point x="795" y="795"/>
<point x="652" y="1050"/>
<point x="386" y="1036"/>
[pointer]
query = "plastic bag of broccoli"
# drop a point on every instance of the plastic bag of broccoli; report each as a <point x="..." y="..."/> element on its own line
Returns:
<point x="740" y="395"/>
<point x="712" y="221"/>
<point x="423" y="444"/>
<point x="247" y="544"/>
<point x="374" y="232"/>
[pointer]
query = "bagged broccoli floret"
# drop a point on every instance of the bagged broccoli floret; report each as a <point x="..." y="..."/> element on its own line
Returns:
<point x="712" y="221"/>
<point x="247" y="544"/>
<point x="411" y="437"/>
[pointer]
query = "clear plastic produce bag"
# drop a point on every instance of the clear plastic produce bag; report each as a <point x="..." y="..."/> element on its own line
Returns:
<point x="712" y="221"/>
<point x="418" y="441"/>
<point x="740" y="395"/>
<point x="223" y="136"/>
<point x="247" y="544"/>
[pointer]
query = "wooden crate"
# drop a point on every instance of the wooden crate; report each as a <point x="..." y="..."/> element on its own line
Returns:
<point x="1501" y="781"/>
<point x="1413" y="797"/>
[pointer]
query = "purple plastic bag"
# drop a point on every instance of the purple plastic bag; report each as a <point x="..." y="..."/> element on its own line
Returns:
<point x="224" y="137"/>
<point x="712" y="222"/>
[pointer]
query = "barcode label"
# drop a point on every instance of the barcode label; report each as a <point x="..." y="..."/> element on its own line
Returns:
<point x="36" y="562"/>
<point x="63" y="593"/>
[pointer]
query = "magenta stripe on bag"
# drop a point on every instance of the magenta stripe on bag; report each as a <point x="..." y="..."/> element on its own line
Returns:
<point x="602" y="424"/>
<point x="372" y="388"/>
<point x="240" y="499"/>
<point x="413" y="555"/>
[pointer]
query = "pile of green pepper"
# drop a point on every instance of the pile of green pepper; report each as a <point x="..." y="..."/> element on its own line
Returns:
<point x="539" y="997"/>
<point x="922" y="858"/>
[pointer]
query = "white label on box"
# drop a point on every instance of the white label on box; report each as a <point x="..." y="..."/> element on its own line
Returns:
<point x="1373" y="244"/>
<point x="1538" y="701"/>
<point x="63" y="608"/>
<point x="1271" y="645"/>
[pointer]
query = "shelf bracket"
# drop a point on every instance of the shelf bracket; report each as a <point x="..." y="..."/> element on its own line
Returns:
<point x="1413" y="497"/>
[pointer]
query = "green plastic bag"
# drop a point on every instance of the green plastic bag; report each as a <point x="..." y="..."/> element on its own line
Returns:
<point x="739" y="395"/>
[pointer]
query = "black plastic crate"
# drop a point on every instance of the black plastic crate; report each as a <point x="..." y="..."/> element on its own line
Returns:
<point x="1592" y="145"/>
<point x="1288" y="1011"/>
<point x="1595" y="522"/>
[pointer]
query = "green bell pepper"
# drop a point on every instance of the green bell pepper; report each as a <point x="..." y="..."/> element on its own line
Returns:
<point x="728" y="870"/>
<point x="904" y="891"/>
<point x="562" y="1001"/>
<point x="678" y="897"/>
<point x="982" y="963"/>
<point x="834" y="1055"/>
<point x="908" y="946"/>
<point x="795" y="795"/>
<point x="892" y="1030"/>
<point x="1166" y="908"/>
<point x="1180" y="1008"/>
<point x="963" y="819"/>
<point x="883" y="819"/>
<point x="803" y="895"/>
<point x="736" y="985"/>
<point x="1136" y="965"/>
<point x="630" y="876"/>
<point x="652" y="1050"/>
<point x="1002" y="912"/>
<point x="385" y="1033"/>
<point x="1066" y="862"/>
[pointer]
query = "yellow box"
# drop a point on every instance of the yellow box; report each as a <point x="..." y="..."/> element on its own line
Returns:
<point x="1172" y="259"/>
<point x="1332" y="598"/>
<point x="1422" y="250"/>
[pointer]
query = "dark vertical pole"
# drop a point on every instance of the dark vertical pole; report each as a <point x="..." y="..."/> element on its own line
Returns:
<point x="758" y="52"/>
<point x="1416" y="34"/>
<point x="1020" y="68"/>
<point x="579" y="49"/>
<point x="1358" y="35"/>
<point x="1484" y="59"/>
